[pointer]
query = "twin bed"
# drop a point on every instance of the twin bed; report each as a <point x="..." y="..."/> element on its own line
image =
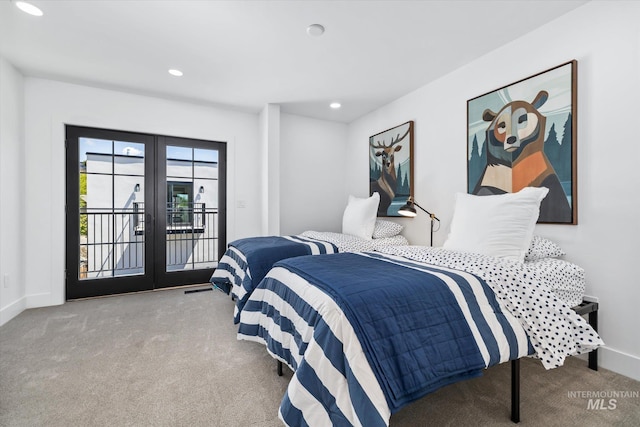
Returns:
<point x="246" y="261"/>
<point x="367" y="332"/>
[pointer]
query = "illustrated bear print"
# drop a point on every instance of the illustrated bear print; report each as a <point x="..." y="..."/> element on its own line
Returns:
<point x="516" y="158"/>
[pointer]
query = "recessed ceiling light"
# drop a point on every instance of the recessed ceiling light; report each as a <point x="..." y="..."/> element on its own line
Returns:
<point x="29" y="8"/>
<point x="335" y="105"/>
<point x="315" y="30"/>
<point x="175" y="72"/>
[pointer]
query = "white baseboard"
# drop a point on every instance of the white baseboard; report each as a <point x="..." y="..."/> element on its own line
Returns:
<point x="12" y="310"/>
<point x="40" y="300"/>
<point x="28" y="301"/>
<point x="619" y="362"/>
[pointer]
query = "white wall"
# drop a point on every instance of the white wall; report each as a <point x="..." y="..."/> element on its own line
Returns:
<point x="50" y="105"/>
<point x="312" y="172"/>
<point x="270" y="173"/>
<point x="604" y="37"/>
<point x="310" y="177"/>
<point x="12" y="225"/>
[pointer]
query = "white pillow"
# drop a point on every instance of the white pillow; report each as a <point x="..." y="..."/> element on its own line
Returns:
<point x="384" y="228"/>
<point x="500" y="225"/>
<point x="359" y="216"/>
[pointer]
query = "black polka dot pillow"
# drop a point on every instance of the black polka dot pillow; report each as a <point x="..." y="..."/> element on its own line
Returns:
<point x="384" y="228"/>
<point x="541" y="248"/>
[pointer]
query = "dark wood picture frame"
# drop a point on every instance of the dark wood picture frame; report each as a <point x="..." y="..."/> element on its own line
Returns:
<point x="525" y="134"/>
<point x="391" y="167"/>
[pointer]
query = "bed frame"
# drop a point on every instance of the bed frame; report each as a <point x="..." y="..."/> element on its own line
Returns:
<point x="585" y="307"/>
<point x="590" y="308"/>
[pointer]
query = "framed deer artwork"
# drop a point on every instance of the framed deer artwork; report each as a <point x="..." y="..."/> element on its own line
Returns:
<point x="524" y="135"/>
<point x="391" y="167"/>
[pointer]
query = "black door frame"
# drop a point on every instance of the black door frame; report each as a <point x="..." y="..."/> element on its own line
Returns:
<point x="155" y="275"/>
<point x="163" y="278"/>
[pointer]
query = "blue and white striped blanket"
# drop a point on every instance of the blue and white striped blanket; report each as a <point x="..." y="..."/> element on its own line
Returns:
<point x="246" y="262"/>
<point x="368" y="333"/>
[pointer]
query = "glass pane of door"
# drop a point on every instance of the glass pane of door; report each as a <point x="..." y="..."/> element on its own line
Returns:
<point x="111" y="229"/>
<point x="192" y="238"/>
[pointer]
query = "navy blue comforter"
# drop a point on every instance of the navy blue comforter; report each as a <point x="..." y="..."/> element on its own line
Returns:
<point x="409" y="323"/>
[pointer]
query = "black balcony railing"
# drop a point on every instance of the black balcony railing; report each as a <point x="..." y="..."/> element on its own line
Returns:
<point x="181" y="218"/>
<point x="109" y="245"/>
<point x="112" y="241"/>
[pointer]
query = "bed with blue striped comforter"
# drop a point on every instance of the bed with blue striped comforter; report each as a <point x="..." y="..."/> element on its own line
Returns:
<point x="246" y="262"/>
<point x="367" y="333"/>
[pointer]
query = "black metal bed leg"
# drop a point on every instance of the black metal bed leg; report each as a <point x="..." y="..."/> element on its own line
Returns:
<point x="279" y="368"/>
<point x="593" y="354"/>
<point x="515" y="391"/>
<point x="590" y="308"/>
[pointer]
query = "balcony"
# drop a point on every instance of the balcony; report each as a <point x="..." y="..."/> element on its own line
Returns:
<point x="180" y="219"/>
<point x="112" y="241"/>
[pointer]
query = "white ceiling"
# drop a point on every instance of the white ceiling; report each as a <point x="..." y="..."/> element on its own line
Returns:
<point x="246" y="54"/>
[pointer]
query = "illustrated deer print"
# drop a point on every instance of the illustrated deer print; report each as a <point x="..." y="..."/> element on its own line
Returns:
<point x="386" y="184"/>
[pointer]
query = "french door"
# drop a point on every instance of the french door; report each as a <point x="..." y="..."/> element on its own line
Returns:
<point x="143" y="211"/>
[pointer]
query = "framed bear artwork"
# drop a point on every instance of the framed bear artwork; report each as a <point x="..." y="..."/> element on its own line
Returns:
<point x="524" y="135"/>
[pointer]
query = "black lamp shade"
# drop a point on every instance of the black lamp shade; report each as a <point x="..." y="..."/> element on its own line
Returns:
<point x="408" y="209"/>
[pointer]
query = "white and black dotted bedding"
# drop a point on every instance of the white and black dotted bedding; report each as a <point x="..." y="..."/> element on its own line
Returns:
<point x="565" y="279"/>
<point x="541" y="248"/>
<point x="349" y="243"/>
<point x="384" y="228"/>
<point x="554" y="329"/>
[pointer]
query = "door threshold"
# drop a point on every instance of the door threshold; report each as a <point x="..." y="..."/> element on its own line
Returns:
<point x="186" y="287"/>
